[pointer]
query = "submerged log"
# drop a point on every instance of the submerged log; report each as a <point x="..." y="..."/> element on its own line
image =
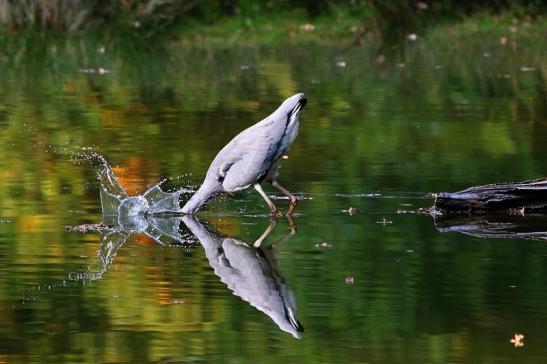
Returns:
<point x="514" y="198"/>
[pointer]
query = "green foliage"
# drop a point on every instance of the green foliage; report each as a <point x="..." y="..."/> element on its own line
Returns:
<point x="389" y="18"/>
<point x="78" y="14"/>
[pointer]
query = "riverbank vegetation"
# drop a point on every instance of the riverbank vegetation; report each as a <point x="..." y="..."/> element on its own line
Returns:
<point x="246" y="20"/>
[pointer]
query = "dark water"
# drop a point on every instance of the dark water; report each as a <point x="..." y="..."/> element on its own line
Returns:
<point x="381" y="130"/>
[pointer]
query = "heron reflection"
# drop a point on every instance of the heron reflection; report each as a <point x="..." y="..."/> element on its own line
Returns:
<point x="250" y="272"/>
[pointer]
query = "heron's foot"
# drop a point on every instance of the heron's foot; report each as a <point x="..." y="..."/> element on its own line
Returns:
<point x="292" y="205"/>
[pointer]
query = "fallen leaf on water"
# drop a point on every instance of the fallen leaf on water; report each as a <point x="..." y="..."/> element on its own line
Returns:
<point x="517" y="340"/>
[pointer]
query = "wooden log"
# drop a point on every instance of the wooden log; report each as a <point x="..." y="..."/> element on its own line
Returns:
<point x="514" y="198"/>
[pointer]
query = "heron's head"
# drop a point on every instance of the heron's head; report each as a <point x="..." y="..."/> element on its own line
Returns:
<point x="210" y="189"/>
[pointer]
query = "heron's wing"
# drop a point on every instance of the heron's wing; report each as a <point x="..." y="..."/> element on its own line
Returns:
<point x="247" y="170"/>
<point x="249" y="156"/>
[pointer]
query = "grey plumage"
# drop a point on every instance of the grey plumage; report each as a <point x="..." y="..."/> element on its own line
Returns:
<point x="252" y="157"/>
<point x="250" y="273"/>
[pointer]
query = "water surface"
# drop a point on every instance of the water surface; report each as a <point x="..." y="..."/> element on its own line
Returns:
<point x="378" y="134"/>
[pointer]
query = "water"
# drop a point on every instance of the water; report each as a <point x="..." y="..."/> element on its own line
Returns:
<point x="379" y="135"/>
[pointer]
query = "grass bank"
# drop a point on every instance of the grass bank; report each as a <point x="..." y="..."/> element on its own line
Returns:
<point x="349" y="28"/>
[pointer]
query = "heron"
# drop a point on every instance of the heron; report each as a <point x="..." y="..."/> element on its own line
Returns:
<point x="253" y="157"/>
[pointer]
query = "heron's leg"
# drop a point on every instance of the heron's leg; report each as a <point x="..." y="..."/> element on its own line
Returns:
<point x="292" y="225"/>
<point x="265" y="197"/>
<point x="267" y="232"/>
<point x="291" y="197"/>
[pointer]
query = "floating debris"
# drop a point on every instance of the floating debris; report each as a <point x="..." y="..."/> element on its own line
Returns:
<point x="516" y="211"/>
<point x="341" y="64"/>
<point x="84" y="228"/>
<point x="412" y="37"/>
<point x="299" y="196"/>
<point x="6" y="221"/>
<point x="366" y="195"/>
<point x="517" y="340"/>
<point x="285" y="157"/>
<point x="404" y="212"/>
<point x="400" y="65"/>
<point x="323" y="244"/>
<point x="307" y="27"/>
<point x="384" y="221"/>
<point x="527" y="69"/>
<point x="351" y="211"/>
<point x="503" y="40"/>
<point x="99" y="71"/>
<point x="381" y="59"/>
<point x="349" y="280"/>
<point x="244" y="67"/>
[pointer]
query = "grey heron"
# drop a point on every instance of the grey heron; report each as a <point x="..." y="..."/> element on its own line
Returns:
<point x="252" y="157"/>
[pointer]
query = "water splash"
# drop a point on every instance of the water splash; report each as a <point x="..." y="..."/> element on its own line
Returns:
<point x="115" y="201"/>
<point x="154" y="213"/>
